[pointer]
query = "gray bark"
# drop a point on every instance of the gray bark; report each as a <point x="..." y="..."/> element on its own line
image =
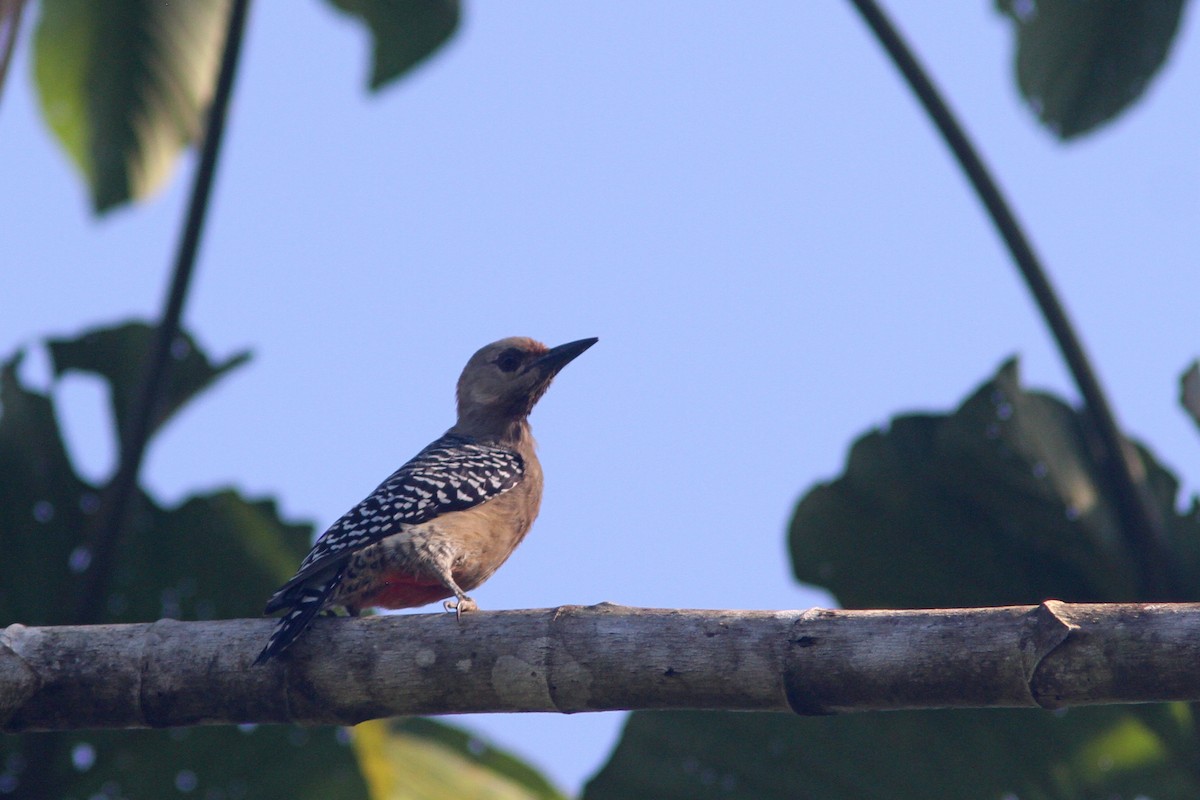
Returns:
<point x="598" y="658"/>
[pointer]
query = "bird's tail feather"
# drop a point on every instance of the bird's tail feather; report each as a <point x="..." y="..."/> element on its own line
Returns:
<point x="306" y="604"/>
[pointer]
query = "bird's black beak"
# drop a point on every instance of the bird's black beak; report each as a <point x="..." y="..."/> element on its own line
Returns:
<point x="549" y="363"/>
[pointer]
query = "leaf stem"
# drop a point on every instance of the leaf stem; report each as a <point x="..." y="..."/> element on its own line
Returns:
<point x="1141" y="521"/>
<point x="120" y="491"/>
<point x="10" y="28"/>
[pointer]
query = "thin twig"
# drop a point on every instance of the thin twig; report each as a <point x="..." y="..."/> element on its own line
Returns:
<point x="120" y="492"/>
<point x="1141" y="521"/>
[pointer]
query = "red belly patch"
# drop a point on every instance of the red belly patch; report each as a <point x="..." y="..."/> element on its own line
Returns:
<point x="400" y="591"/>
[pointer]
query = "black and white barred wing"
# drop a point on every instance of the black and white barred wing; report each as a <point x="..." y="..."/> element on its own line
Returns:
<point x="451" y="474"/>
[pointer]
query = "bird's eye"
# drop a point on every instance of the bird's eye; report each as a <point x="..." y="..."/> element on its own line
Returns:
<point x="509" y="360"/>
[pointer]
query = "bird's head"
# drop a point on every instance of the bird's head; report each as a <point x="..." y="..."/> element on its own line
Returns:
<point x="502" y="381"/>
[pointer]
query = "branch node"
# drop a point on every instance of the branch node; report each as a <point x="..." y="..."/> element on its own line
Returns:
<point x="1046" y="628"/>
<point x="18" y="681"/>
<point x="797" y="688"/>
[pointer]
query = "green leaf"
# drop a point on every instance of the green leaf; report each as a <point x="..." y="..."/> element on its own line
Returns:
<point x="213" y="556"/>
<point x="124" y="85"/>
<point x="998" y="502"/>
<point x="1189" y="391"/>
<point x="419" y="759"/>
<point x="994" y="753"/>
<point x="227" y="762"/>
<point x="404" y="32"/>
<point x="1079" y="64"/>
<point x="43" y="506"/>
<point x="118" y="355"/>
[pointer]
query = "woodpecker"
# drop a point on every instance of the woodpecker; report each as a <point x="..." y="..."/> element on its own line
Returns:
<point x="445" y="521"/>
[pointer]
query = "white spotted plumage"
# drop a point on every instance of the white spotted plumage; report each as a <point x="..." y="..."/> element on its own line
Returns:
<point x="474" y="472"/>
<point x="445" y="521"/>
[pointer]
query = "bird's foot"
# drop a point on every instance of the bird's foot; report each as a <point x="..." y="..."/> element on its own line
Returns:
<point x="462" y="604"/>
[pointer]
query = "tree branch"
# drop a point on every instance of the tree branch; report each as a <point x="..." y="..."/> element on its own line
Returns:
<point x="599" y="658"/>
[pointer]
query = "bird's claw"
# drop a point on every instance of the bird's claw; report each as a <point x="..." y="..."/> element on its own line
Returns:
<point x="459" y="606"/>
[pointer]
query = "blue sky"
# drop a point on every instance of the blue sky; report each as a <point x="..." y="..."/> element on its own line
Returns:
<point x="741" y="200"/>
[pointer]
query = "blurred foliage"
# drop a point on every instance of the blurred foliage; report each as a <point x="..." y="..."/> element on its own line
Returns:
<point x="1080" y="64"/>
<point x="403" y="34"/>
<point x="250" y="762"/>
<point x="420" y="759"/>
<point x="985" y="754"/>
<point x="116" y="353"/>
<point x="125" y="84"/>
<point x="212" y="556"/>
<point x="1189" y="391"/>
<point x="996" y="503"/>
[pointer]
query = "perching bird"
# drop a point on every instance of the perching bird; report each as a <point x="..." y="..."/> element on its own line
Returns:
<point x="446" y="520"/>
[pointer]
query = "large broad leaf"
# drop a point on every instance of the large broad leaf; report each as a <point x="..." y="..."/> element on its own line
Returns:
<point x="45" y="507"/>
<point x="1079" y="64"/>
<point x="998" y="502"/>
<point x="213" y="556"/>
<point x="404" y="32"/>
<point x="117" y="354"/>
<point x="419" y="759"/>
<point x="43" y="504"/>
<point x="981" y="755"/>
<point x="124" y="85"/>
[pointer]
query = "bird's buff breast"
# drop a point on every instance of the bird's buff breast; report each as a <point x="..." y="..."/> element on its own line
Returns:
<point x="401" y="571"/>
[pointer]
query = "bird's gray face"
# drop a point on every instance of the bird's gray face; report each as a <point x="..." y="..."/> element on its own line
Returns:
<point x="509" y="376"/>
